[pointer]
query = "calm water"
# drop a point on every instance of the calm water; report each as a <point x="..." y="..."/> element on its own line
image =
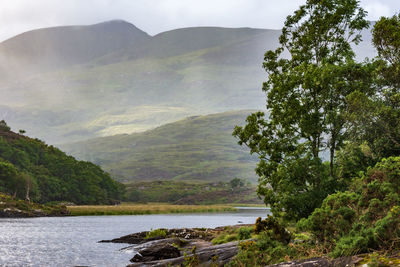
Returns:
<point x="71" y="241"/>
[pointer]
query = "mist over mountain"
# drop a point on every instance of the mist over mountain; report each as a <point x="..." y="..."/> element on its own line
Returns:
<point x="71" y="83"/>
<point x="64" y="46"/>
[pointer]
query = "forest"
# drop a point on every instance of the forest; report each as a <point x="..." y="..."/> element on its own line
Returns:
<point x="329" y="143"/>
<point x="32" y="170"/>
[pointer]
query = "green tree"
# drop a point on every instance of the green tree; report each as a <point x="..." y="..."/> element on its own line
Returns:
<point x="4" y="127"/>
<point x="374" y="119"/>
<point x="306" y="101"/>
<point x="236" y="183"/>
<point x="8" y="174"/>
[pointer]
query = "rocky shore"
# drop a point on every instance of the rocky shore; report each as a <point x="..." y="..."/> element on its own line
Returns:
<point x="179" y="246"/>
<point x="192" y="247"/>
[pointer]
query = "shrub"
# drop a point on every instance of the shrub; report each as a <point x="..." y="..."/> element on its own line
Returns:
<point x="274" y="229"/>
<point x="224" y="238"/>
<point x="364" y="219"/>
<point x="156" y="233"/>
<point x="244" y="233"/>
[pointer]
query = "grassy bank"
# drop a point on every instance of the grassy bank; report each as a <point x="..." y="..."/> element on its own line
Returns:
<point x="141" y="209"/>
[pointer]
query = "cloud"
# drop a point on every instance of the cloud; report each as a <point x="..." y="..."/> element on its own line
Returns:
<point x="154" y="16"/>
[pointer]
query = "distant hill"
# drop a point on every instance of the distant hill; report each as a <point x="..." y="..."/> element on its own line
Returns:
<point x="199" y="149"/>
<point x="58" y="47"/>
<point x="48" y="174"/>
<point x="112" y="78"/>
<point x="186" y="40"/>
<point x="193" y="193"/>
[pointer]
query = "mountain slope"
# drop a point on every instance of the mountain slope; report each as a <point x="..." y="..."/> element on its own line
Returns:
<point x="199" y="148"/>
<point x="139" y="85"/>
<point x="58" y="47"/>
<point x="186" y="40"/>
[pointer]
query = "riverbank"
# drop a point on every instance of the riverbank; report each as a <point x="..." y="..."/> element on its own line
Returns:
<point x="17" y="208"/>
<point x="143" y="209"/>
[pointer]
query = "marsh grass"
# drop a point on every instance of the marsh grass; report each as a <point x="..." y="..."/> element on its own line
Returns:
<point x="143" y="209"/>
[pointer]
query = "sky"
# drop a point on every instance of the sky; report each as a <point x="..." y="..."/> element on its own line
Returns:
<point x="155" y="16"/>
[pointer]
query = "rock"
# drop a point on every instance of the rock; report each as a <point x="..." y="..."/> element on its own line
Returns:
<point x="187" y="233"/>
<point x="156" y="249"/>
<point x="156" y="252"/>
<point x="135" y="238"/>
<point x="218" y="254"/>
<point x="177" y="247"/>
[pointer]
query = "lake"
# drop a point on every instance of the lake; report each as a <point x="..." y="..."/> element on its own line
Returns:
<point x="72" y="241"/>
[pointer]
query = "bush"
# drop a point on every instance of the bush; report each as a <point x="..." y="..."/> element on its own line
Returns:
<point x="364" y="219"/>
<point x="273" y="228"/>
<point x="244" y="233"/>
<point x="224" y="238"/>
<point x="156" y="233"/>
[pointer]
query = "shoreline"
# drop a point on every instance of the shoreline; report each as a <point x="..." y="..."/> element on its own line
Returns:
<point x="177" y="246"/>
<point x="39" y="210"/>
<point x="146" y="209"/>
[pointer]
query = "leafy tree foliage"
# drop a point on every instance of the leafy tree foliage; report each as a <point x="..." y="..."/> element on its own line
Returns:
<point x="236" y="183"/>
<point x="361" y="131"/>
<point x="374" y="119"/>
<point x="31" y="169"/>
<point x="306" y="101"/>
<point x="366" y="217"/>
<point x="4" y="127"/>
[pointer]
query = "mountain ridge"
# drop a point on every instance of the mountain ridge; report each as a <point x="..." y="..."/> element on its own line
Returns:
<point x="62" y="46"/>
<point x="149" y="82"/>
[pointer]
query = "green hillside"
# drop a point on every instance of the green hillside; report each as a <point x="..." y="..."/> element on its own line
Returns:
<point x="199" y="148"/>
<point x="191" y="193"/>
<point x="132" y="83"/>
<point x="31" y="169"/>
<point x="171" y="76"/>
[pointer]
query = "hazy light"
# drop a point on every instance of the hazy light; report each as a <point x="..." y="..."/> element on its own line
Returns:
<point x="155" y="16"/>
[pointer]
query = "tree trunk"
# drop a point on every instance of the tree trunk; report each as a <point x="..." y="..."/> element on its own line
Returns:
<point x="27" y="192"/>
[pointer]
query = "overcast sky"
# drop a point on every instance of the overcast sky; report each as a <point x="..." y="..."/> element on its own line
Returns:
<point x="155" y="16"/>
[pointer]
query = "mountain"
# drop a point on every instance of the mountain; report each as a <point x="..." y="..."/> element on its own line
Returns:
<point x="30" y="167"/>
<point x="199" y="148"/>
<point x="183" y="41"/>
<point x="112" y="78"/>
<point x="58" y="47"/>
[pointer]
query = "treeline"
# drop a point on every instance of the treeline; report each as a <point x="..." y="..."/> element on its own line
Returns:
<point x="322" y="102"/>
<point x="30" y="169"/>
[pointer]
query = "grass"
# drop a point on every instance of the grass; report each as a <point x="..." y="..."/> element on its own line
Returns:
<point x="144" y="209"/>
<point x="232" y="234"/>
<point x="247" y="205"/>
<point x="156" y="233"/>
